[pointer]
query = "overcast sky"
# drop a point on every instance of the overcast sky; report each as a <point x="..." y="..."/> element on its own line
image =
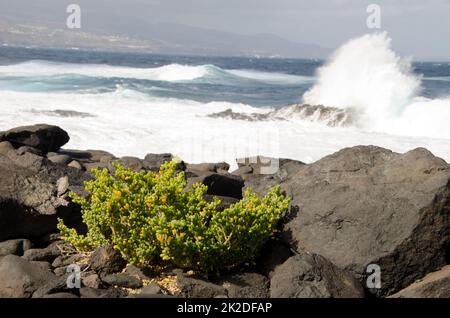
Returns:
<point x="419" y="28"/>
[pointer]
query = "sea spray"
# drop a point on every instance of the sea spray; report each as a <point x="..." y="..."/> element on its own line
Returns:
<point x="365" y="74"/>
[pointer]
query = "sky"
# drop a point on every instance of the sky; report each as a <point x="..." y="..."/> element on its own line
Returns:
<point x="420" y="29"/>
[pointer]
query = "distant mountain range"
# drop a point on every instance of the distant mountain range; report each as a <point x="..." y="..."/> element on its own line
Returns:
<point x="42" y="36"/>
<point x="164" y="38"/>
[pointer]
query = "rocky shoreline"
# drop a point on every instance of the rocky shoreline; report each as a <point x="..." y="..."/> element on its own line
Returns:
<point x="358" y="208"/>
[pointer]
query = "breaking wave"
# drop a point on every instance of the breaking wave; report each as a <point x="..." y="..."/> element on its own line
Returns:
<point x="366" y="76"/>
<point x="168" y="73"/>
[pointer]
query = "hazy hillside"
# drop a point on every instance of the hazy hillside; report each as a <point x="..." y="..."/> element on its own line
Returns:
<point x="158" y="38"/>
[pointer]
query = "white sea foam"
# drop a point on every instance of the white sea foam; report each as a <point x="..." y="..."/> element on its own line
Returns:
<point x="130" y="123"/>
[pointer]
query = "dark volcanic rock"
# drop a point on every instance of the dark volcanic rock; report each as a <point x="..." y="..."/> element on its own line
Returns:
<point x="87" y="292"/>
<point x="242" y="171"/>
<point x="107" y="260"/>
<point x="60" y="159"/>
<point x="141" y="273"/>
<point x="230" y="114"/>
<point x="129" y="163"/>
<point x="67" y="113"/>
<point x="88" y="159"/>
<point x="24" y="149"/>
<point x="88" y="155"/>
<point x="60" y="271"/>
<point x="91" y="280"/>
<point x="367" y="205"/>
<point x="196" y="288"/>
<point x="272" y="254"/>
<point x="43" y="137"/>
<point x="331" y="116"/>
<point x="151" y="289"/>
<point x="154" y="161"/>
<point x="434" y="285"/>
<point x="226" y="185"/>
<point x="312" y="276"/>
<point x="122" y="280"/>
<point x="61" y="295"/>
<point x="43" y="265"/>
<point x="76" y="165"/>
<point x="209" y="167"/>
<point x="264" y="165"/>
<point x="27" y="160"/>
<point x="246" y="285"/>
<point x="48" y="254"/>
<point x="65" y="260"/>
<point x="5" y="147"/>
<point x="262" y="173"/>
<point x="32" y="198"/>
<point x="20" y="279"/>
<point x="14" y="247"/>
<point x="54" y="286"/>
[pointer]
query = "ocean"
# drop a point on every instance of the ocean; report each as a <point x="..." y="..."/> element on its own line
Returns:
<point x="206" y="109"/>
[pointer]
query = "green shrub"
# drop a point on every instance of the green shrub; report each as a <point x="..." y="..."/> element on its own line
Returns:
<point x="153" y="221"/>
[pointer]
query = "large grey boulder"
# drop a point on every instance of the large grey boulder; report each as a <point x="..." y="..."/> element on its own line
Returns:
<point x="368" y="205"/>
<point x="313" y="276"/>
<point x="43" y="137"/>
<point x="20" y="279"/>
<point x="33" y="197"/>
